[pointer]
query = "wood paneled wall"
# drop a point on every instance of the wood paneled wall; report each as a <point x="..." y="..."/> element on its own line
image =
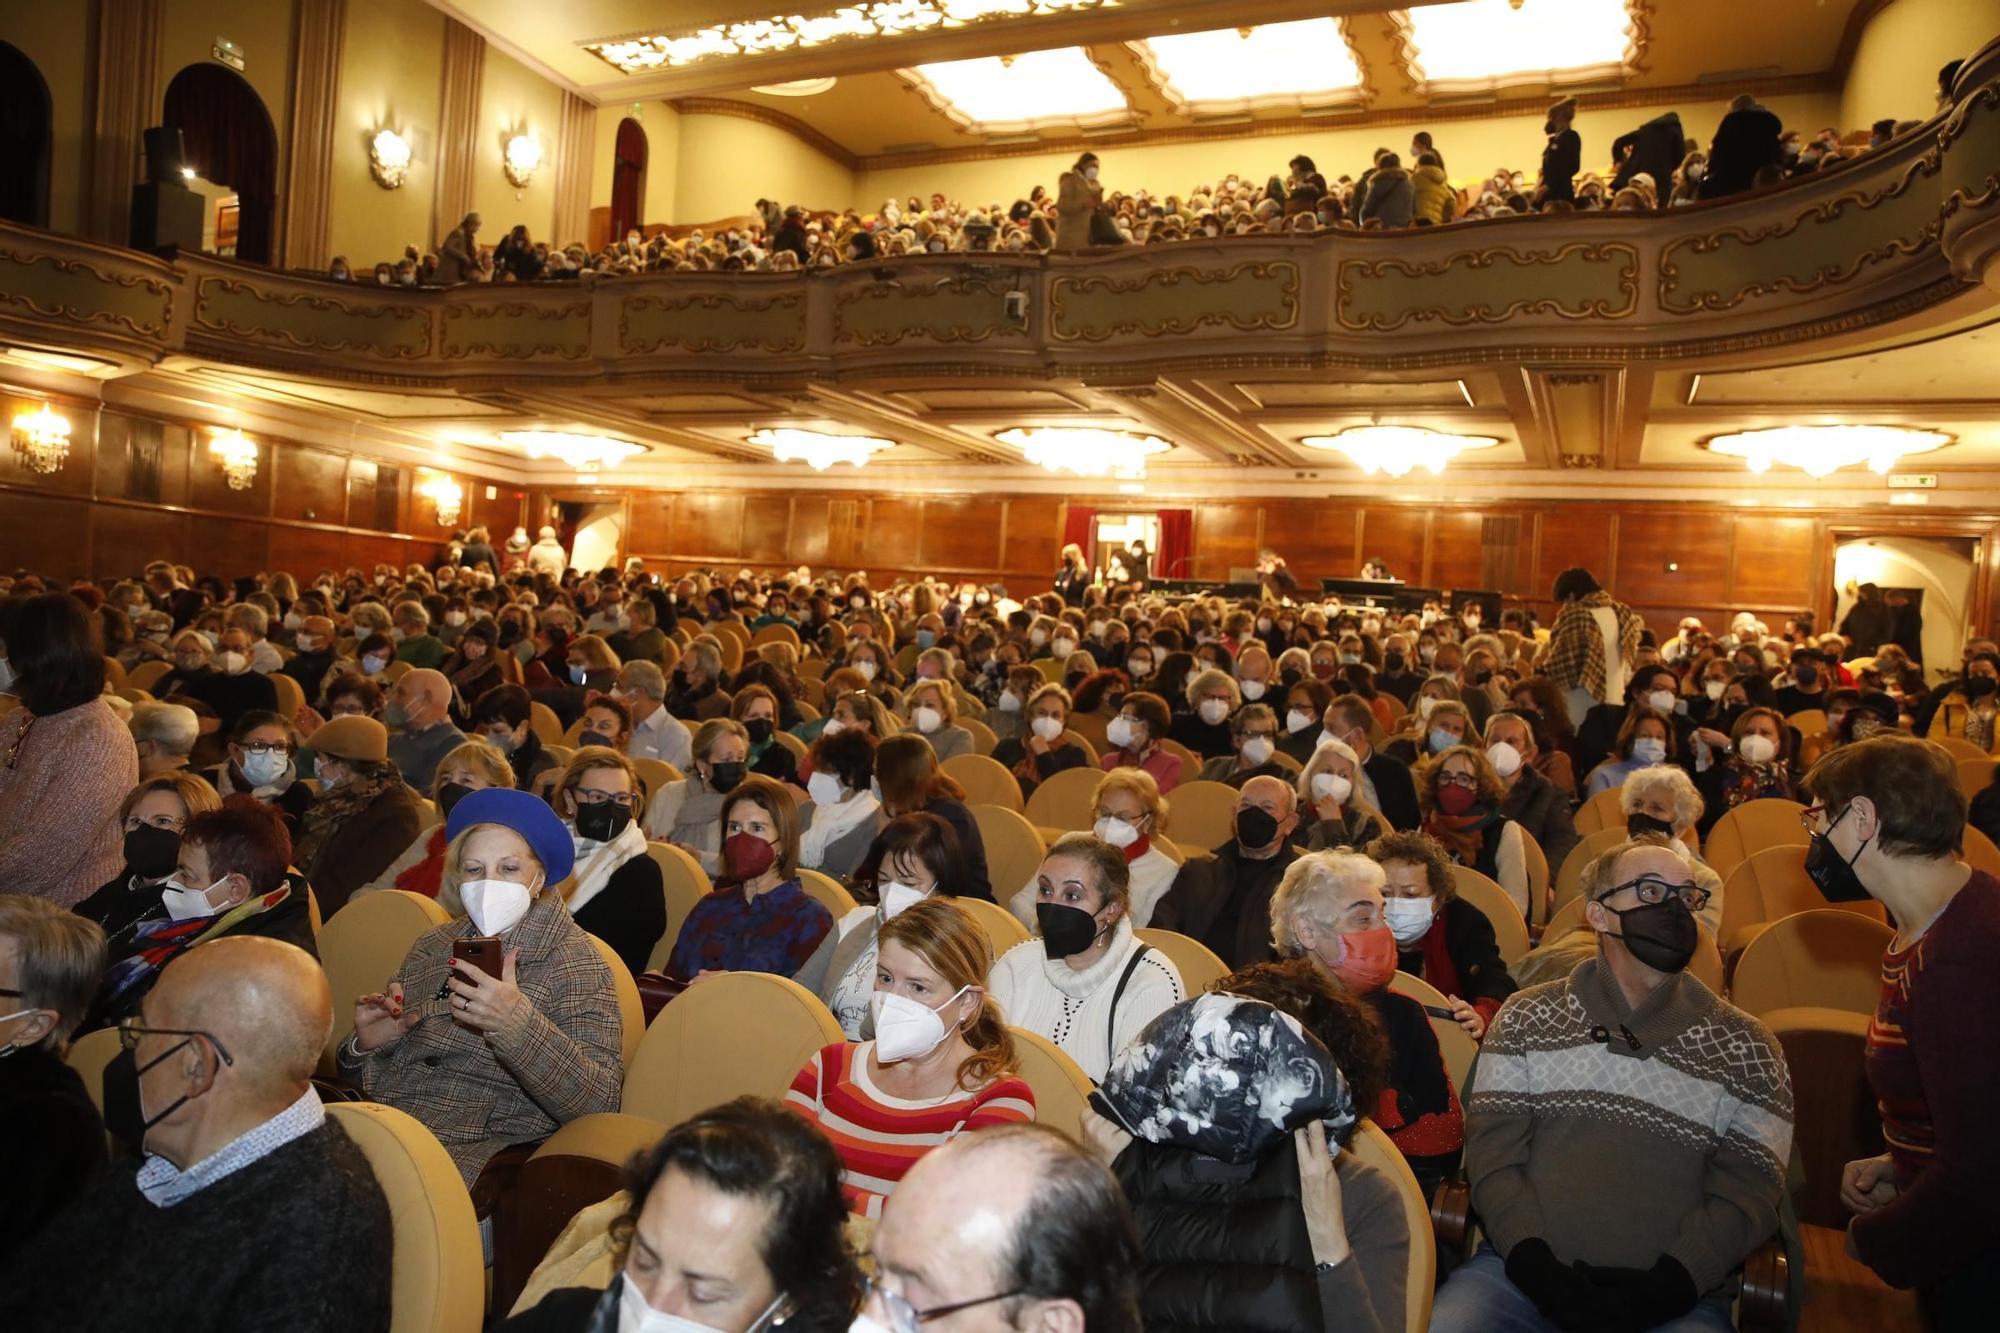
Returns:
<point x="136" y="488"/>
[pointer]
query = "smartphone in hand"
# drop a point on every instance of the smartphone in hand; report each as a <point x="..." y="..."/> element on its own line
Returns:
<point x="482" y="951"/>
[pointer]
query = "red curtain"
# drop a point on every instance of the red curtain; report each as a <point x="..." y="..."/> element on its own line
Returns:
<point x="628" y="178"/>
<point x="1175" y="558"/>
<point x="229" y="140"/>
<point x="1080" y="529"/>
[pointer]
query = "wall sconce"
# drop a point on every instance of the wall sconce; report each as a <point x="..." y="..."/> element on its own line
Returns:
<point x="238" y="457"/>
<point x="524" y="154"/>
<point x="448" y="497"/>
<point x="41" y="440"/>
<point x="388" y="158"/>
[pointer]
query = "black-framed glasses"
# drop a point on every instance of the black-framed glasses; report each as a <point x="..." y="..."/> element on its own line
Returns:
<point x="269" y="747"/>
<point x="907" y="1318"/>
<point x="1652" y="891"/>
<point x="131" y="1029"/>
<point x="1468" y="780"/>
<point x="626" y="799"/>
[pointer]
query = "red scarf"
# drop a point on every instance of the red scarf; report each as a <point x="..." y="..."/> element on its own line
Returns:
<point x="1461" y="835"/>
<point x="1137" y="849"/>
<point x="427" y="875"/>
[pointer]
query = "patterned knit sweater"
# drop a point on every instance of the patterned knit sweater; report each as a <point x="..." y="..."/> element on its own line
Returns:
<point x="1619" y="1134"/>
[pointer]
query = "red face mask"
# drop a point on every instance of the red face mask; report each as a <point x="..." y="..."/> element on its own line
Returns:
<point x="1456" y="800"/>
<point x="747" y="856"/>
<point x="1367" y="959"/>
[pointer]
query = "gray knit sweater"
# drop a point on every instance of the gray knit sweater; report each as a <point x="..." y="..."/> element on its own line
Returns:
<point x="1616" y="1154"/>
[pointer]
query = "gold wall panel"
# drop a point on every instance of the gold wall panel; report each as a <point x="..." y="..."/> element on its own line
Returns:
<point x="79" y="292"/>
<point x="961" y="310"/>
<point x="517" y="329"/>
<point x="368" y="322"/>
<point x="712" y="322"/>
<point x="1258" y="296"/>
<point x="1582" y="280"/>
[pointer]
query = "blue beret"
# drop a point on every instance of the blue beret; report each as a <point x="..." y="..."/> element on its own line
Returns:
<point x="528" y="815"/>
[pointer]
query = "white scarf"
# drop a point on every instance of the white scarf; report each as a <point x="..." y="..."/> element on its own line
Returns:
<point x="830" y="823"/>
<point x="597" y="861"/>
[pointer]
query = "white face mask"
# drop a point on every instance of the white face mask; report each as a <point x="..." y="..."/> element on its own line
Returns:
<point x="234" y="664"/>
<point x="1139" y="669"/>
<point x="1331" y="787"/>
<point x="454" y="618"/>
<point x="495" y="904"/>
<point x="1506" y="760"/>
<point x="372" y="665"/>
<point x="1257" y="750"/>
<point x="7" y="675"/>
<point x="1010" y="702"/>
<point x="1650" y="750"/>
<point x="866" y="668"/>
<point x="1424" y="706"/>
<point x="306" y="643"/>
<point x="1757" y="749"/>
<point x="1048" y="728"/>
<point x="635" y="1316"/>
<point x="1120" y="833"/>
<point x="824" y="788"/>
<point x="1062" y="647"/>
<point x="1213" y="711"/>
<point x="927" y="719"/>
<point x="1661" y="701"/>
<point x="897" y="897"/>
<point x="834" y="726"/>
<point x="185" y="904"/>
<point x="906" y="1030"/>
<point x="1253" y="690"/>
<point x="1298" y="719"/>
<point x="1122" y="732"/>
<point x="1038" y="637"/>
<point x="1713" y="689"/>
<point x="1409" y="918"/>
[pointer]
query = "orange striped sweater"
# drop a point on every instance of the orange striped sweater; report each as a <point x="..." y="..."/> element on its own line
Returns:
<point x="880" y="1137"/>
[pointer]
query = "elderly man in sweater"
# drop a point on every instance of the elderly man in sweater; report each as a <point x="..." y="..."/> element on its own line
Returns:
<point x="1627" y="1133"/>
<point x="250" y="1209"/>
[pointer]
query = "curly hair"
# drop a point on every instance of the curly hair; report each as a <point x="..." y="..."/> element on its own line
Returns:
<point x="1343" y="1023"/>
<point x="755" y="1148"/>
<point x="1488" y="785"/>
<point x="1092" y="689"/>
<point x="1417" y="849"/>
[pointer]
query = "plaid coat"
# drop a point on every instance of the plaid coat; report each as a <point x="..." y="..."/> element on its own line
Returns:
<point x="1575" y="656"/>
<point x="478" y="1092"/>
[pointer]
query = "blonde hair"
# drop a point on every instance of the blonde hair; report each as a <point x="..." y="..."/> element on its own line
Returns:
<point x="479" y="756"/>
<point x="1138" y="783"/>
<point x="59" y="957"/>
<point x="713" y="730"/>
<point x="595" y="652"/>
<point x="947" y="701"/>
<point x="945" y="936"/>
<point x="198" y="797"/>
<point x="587" y="760"/>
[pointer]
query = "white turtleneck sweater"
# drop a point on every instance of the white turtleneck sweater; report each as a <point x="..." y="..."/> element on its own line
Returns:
<point x="1073" y="1009"/>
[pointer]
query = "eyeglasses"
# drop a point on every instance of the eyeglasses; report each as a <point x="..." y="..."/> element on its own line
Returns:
<point x="907" y="1318"/>
<point x="1810" y="816"/>
<point x="174" y="823"/>
<point x="1467" y="780"/>
<point x="131" y="1029"/>
<point x="1652" y="891"/>
<point x="269" y="747"/>
<point x="623" y="799"/>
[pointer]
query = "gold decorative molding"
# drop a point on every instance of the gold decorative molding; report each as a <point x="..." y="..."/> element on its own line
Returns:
<point x="959" y="310"/>
<point x="764" y="115"/>
<point x="1361" y="95"/>
<point x="549" y="331"/>
<point x="64" y="293"/>
<point x="335" y="326"/>
<point x="1467" y="303"/>
<point x="1261" y="294"/>
<point x="650" y="323"/>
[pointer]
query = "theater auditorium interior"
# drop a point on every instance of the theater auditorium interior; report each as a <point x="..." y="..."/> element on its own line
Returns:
<point x="1072" y="666"/>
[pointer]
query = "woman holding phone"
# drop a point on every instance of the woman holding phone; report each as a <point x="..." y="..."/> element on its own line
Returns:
<point x="454" y="1038"/>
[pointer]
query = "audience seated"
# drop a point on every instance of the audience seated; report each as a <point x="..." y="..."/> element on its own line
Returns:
<point x="1340" y="816"/>
<point x="1129" y="813"/>
<point x="250" y="1209"/>
<point x="486" y="1060"/>
<point x="1461" y="798"/>
<point x="1203" y="1169"/>
<point x="615" y="890"/>
<point x="941" y="1061"/>
<point x="1754" y="765"/>
<point x="734" y="1221"/>
<point x="261" y="765"/>
<point x="362" y="814"/>
<point x="1386" y="784"/>
<point x="1134" y="737"/>
<point x="688" y="813"/>
<point x="1086" y="982"/>
<point x="1221" y="900"/>
<point x="1628" y="1130"/>
<point x="656" y="733"/>
<point x="906" y="770"/>
<point x="1537" y="806"/>
<point x="758" y="919"/>
<point x="503" y="717"/>
<point x="473" y="766"/>
<point x="153" y="816"/>
<point x="50" y="964"/>
<point x="164" y="736"/>
<point x="755" y="708"/>
<point x="1330" y="909"/>
<point x="419" y="716"/>
<point x="838" y="825"/>
<point x="1440" y="937"/>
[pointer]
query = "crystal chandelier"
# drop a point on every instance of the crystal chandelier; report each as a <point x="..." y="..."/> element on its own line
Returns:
<point x="238" y="457"/>
<point x="582" y="453"/>
<point x="1820" y="451"/>
<point x="1397" y="449"/>
<point x="447" y="496"/>
<point x="817" y="449"/>
<point x="1088" y="451"/>
<point x="41" y="440"/>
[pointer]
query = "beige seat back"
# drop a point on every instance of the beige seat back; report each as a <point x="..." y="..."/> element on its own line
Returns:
<point x="437" y="1282"/>
<point x="1374" y="1147"/>
<point x="1824" y="959"/>
<point x="1959" y="747"/>
<point x="983" y="739"/>
<point x="88" y="1055"/>
<point x="986" y="781"/>
<point x="1014" y="850"/>
<point x="1835" y="1120"/>
<point x="363" y="945"/>
<point x="1751" y="827"/>
<point x="1198" y="964"/>
<point x="1510" y="928"/>
<point x="290" y="697"/>
<point x="1601" y="811"/>
<point x="542" y="720"/>
<point x="625" y="994"/>
<point x="1980" y="853"/>
<point x="655" y="774"/>
<point x="147" y="674"/>
<point x="685" y="884"/>
<point x="728" y="1035"/>
<point x="1454" y="1042"/>
<point x="1062" y="1090"/>
<point x="1975" y="775"/>
<point x="825" y="890"/>
<point x="1064" y="801"/>
<point x="1003" y="931"/>
<point x="1204" y="812"/>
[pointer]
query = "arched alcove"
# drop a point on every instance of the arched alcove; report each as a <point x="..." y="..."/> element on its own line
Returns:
<point x="26" y="140"/>
<point x="230" y="141"/>
<point x="628" y="178"/>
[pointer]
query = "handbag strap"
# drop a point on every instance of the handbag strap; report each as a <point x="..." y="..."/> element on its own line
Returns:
<point x="1124" y="980"/>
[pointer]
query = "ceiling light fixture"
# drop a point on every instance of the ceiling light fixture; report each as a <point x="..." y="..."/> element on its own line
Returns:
<point x="447" y="496"/>
<point x="389" y="159"/>
<point x="580" y="453"/>
<point x="640" y="52"/>
<point x="238" y="456"/>
<point x="1398" y="449"/>
<point x="1033" y="90"/>
<point x="1820" y="451"/>
<point x="796" y="87"/>
<point x="524" y="155"/>
<point x="818" y="449"/>
<point x="41" y="440"/>
<point x="1481" y="45"/>
<point x="1086" y="450"/>
<point x="1303" y="63"/>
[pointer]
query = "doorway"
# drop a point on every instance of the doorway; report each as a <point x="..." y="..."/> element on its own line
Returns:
<point x="628" y="179"/>
<point x="232" y="147"/>
<point x="1115" y="535"/>
<point x="592" y="530"/>
<point x="1926" y="585"/>
<point x="25" y="139"/>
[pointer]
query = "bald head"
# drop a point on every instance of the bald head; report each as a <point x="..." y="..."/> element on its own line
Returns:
<point x="425" y="695"/>
<point x="1274" y="796"/>
<point x="265" y="1001"/>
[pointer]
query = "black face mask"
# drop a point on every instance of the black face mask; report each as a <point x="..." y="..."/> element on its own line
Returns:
<point x="1660" y="935"/>
<point x="1806" y="674"/>
<point x="601" y="823"/>
<point x="450" y="794"/>
<point x="1255" y="828"/>
<point x="152" y="853"/>
<point x="759" y="729"/>
<point x="1831" y="873"/>
<point x="724" y="777"/>
<point x="1978" y="687"/>
<point x="1066" y="931"/>
<point x="124" y="1113"/>
<point x="1392" y="661"/>
<point x="1481" y="677"/>
<point x="1640" y="822"/>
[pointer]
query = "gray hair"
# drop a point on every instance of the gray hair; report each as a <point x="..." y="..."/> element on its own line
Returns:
<point x="1205" y="681"/>
<point x="412" y="613"/>
<point x="1309" y="887"/>
<point x="1599" y="876"/>
<point x="59" y="957"/>
<point x="369" y="616"/>
<point x="1680" y="789"/>
<point x="705" y="656"/>
<point x="644" y="678"/>
<point x="172" y="727"/>
<point x="250" y="618"/>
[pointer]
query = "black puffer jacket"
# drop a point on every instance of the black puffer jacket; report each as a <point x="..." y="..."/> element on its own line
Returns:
<point x="1211" y="1090"/>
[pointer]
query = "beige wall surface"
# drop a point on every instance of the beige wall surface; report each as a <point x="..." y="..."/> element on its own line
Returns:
<point x="1902" y="49"/>
<point x="388" y="80"/>
<point x="262" y="31"/>
<point x="57" y="38"/>
<point x="662" y="125"/>
<point x="514" y="99"/>
<point x="727" y="163"/>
